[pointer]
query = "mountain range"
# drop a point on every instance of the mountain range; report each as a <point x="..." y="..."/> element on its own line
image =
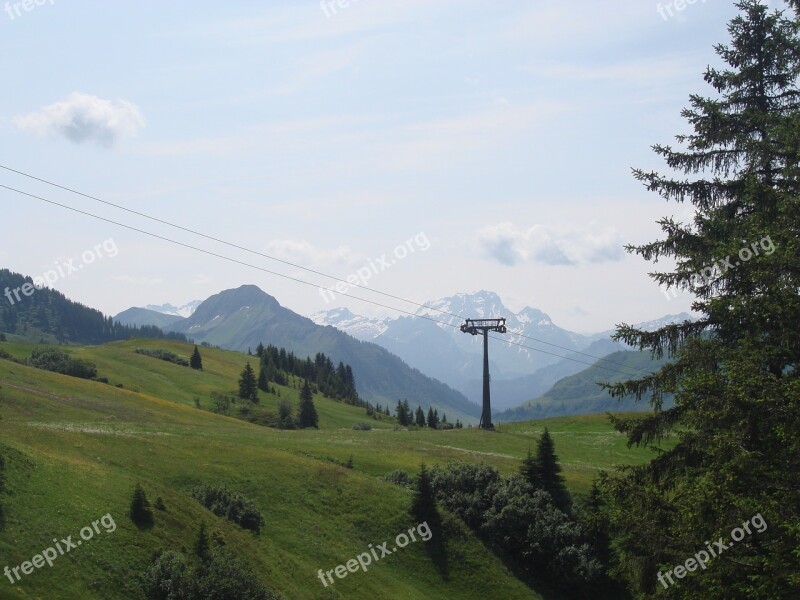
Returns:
<point x="425" y="357"/>
<point x="524" y="363"/>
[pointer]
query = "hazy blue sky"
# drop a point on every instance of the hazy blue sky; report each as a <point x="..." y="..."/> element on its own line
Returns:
<point x="503" y="133"/>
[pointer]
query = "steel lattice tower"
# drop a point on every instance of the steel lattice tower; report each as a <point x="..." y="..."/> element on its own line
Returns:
<point x="483" y="327"/>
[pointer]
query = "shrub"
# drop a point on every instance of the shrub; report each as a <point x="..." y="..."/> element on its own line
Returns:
<point x="466" y="489"/>
<point x="285" y="415"/>
<point x="221" y="403"/>
<point x="230" y="505"/>
<point x="169" y="578"/>
<point x="51" y="359"/>
<point x="398" y="477"/>
<point x="224" y="576"/>
<point x="164" y="355"/>
<point x="362" y="427"/>
<point x="550" y="541"/>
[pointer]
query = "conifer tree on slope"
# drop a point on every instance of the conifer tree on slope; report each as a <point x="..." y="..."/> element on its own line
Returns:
<point x="549" y="472"/>
<point x="419" y="417"/>
<point x="733" y="372"/>
<point x="248" y="386"/>
<point x="423" y="503"/>
<point x="307" y="412"/>
<point x="140" y="511"/>
<point x="263" y="379"/>
<point x="196" y="361"/>
<point x="529" y="471"/>
<point x="431" y="418"/>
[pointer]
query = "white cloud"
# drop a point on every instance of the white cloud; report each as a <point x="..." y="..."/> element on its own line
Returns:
<point x="84" y="118"/>
<point x="303" y="253"/>
<point x="202" y="279"/>
<point x="143" y="281"/>
<point x="551" y="244"/>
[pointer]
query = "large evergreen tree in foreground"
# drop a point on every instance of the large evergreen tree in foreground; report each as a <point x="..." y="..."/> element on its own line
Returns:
<point x="733" y="372"/>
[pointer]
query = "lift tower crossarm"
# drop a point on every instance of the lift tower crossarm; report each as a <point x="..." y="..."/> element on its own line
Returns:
<point x="483" y="327"/>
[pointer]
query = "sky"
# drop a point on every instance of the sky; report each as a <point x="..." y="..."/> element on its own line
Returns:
<point x="421" y="147"/>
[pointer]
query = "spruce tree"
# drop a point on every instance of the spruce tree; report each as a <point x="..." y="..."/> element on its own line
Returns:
<point x="419" y="417"/>
<point x="734" y="429"/>
<point x="263" y="380"/>
<point x="529" y="471"/>
<point x="400" y="412"/>
<point x="549" y="472"/>
<point x="307" y="416"/>
<point x="140" y="511"/>
<point x="196" y="361"/>
<point x="248" y="386"/>
<point x="423" y="503"/>
<point x="431" y="418"/>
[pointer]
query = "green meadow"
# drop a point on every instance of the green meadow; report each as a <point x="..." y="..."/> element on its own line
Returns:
<point x="75" y="449"/>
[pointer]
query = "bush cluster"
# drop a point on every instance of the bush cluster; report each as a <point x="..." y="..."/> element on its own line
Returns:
<point x="230" y="505"/>
<point x="165" y="355"/>
<point x="221" y="576"/>
<point x="51" y="359"/>
<point x="548" y="543"/>
<point x="398" y="477"/>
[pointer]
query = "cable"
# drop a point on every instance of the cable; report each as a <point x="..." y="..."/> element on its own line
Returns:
<point x="210" y="253"/>
<point x="286" y="262"/>
<point x="215" y="239"/>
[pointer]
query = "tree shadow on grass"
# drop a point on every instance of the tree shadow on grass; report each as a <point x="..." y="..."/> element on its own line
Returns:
<point x="436" y="546"/>
<point x="542" y="585"/>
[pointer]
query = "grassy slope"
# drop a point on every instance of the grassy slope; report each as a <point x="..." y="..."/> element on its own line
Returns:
<point x="78" y="448"/>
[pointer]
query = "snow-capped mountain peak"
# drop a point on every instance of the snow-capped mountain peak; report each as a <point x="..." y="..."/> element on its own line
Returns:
<point x="361" y="328"/>
<point x="187" y="310"/>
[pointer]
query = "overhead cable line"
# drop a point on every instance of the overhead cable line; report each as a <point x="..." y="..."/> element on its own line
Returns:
<point x="295" y="279"/>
